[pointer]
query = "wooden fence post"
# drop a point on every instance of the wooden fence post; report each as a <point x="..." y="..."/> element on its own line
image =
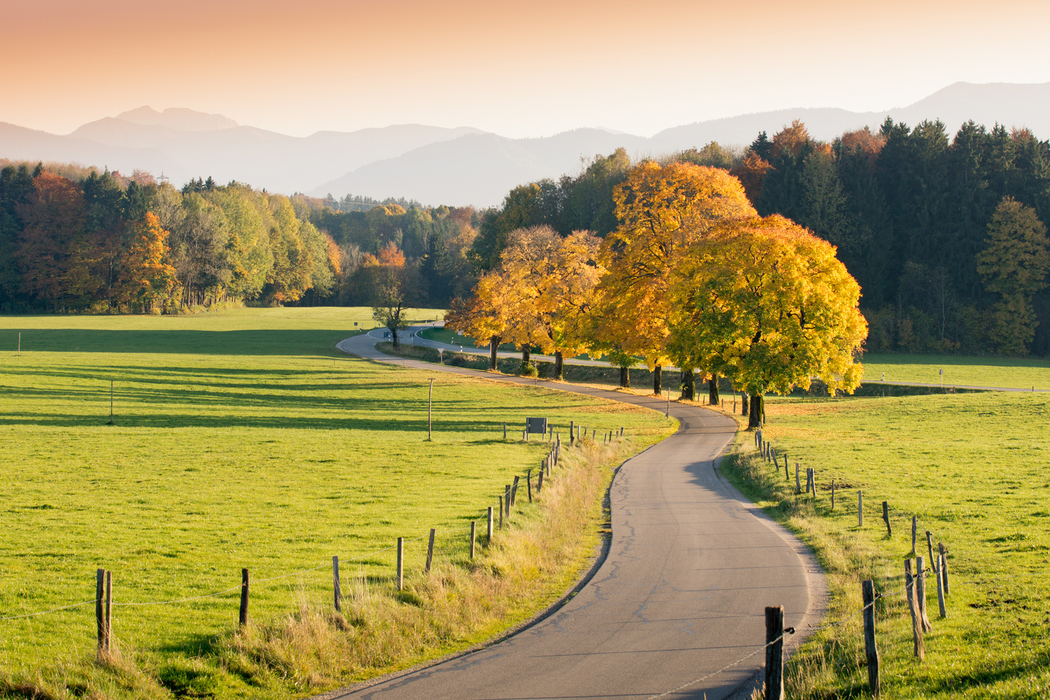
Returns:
<point x="400" y="563"/>
<point x="507" y="496"/>
<point x="473" y="536"/>
<point x="886" y="517"/>
<point x="335" y="585"/>
<point x="939" y="573"/>
<point x="514" y="491"/>
<point x="914" y="532"/>
<point x="528" y="483"/>
<point x="798" y="484"/>
<point x="430" y="549"/>
<point x="920" y="593"/>
<point x="929" y="548"/>
<point x="109" y="609"/>
<point x="774" y="653"/>
<point x="539" y="484"/>
<point x="100" y="609"/>
<point x="488" y="530"/>
<point x="243" y="617"/>
<point x="944" y="568"/>
<point x="871" y="650"/>
<point x="916" y="624"/>
<point x="501" y="512"/>
<point x="504" y="430"/>
<point x="572" y="433"/>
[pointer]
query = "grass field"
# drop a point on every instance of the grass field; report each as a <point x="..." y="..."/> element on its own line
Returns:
<point x="973" y="468"/>
<point x="965" y="371"/>
<point x="240" y="439"/>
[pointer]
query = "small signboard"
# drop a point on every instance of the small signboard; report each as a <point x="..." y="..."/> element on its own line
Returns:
<point x="536" y="426"/>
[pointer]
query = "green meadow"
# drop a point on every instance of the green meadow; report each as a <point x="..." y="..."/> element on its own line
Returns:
<point x="239" y="439"/>
<point x="958" y="370"/>
<point x="973" y="469"/>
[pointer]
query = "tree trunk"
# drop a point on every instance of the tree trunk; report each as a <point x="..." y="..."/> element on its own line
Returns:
<point x="657" y="386"/>
<point x="393" y="332"/>
<point x="744" y="410"/>
<point x="754" y="416"/>
<point x="526" y="352"/>
<point x="625" y="377"/>
<point x="493" y="347"/>
<point x="688" y="385"/>
<point x="712" y="391"/>
<point x="559" y="366"/>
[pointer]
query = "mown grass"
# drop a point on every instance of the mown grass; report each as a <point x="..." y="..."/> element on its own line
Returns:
<point x="972" y="468"/>
<point x="242" y="439"/>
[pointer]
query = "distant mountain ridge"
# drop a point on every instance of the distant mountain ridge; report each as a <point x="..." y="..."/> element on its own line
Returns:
<point x="457" y="166"/>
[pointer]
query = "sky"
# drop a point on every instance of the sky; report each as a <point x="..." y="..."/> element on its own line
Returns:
<point x="520" y="69"/>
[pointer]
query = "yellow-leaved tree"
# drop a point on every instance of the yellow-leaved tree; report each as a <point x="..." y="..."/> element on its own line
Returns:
<point x="662" y="210"/>
<point x="767" y="304"/>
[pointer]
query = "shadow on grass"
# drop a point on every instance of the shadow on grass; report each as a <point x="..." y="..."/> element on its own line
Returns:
<point x="240" y="342"/>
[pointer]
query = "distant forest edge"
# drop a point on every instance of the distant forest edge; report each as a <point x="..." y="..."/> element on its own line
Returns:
<point x="912" y="212"/>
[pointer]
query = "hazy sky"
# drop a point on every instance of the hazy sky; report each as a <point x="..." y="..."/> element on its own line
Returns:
<point x="516" y="68"/>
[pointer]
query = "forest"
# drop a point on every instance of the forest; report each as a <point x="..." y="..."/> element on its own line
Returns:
<point x="945" y="235"/>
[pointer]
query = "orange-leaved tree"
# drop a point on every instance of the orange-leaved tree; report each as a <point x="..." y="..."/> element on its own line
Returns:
<point x="767" y="304"/>
<point x="146" y="276"/>
<point x="662" y="211"/>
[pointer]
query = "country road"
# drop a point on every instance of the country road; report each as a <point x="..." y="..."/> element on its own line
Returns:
<point x="678" y="598"/>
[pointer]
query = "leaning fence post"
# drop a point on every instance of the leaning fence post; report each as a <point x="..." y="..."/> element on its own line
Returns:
<point x="920" y="593"/>
<point x="916" y="624"/>
<point x="243" y="618"/>
<point x="929" y="548"/>
<point x="430" y="549"/>
<point x="886" y="517"/>
<point x="870" y="648"/>
<point x="335" y="585"/>
<point x="774" y="653"/>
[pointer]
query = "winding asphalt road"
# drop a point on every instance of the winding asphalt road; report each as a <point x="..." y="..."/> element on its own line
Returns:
<point x="680" y="594"/>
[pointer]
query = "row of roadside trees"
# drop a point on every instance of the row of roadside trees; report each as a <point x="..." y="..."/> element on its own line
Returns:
<point x="692" y="276"/>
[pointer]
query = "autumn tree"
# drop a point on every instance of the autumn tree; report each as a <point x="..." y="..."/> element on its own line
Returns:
<point x="662" y="211"/>
<point x="145" y="276"/>
<point x="393" y="289"/>
<point x="766" y="303"/>
<point x="1014" y="265"/>
<point x="52" y="215"/>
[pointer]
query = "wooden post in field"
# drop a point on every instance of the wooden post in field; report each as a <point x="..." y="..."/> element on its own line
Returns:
<point x="528" y="483"/>
<point x="335" y="585"/>
<point x="103" y="609"/>
<point x="774" y="653"/>
<point x="787" y="472"/>
<point x="488" y="530"/>
<point x="929" y="548"/>
<point x="916" y="624"/>
<point x="400" y="563"/>
<point x="939" y="573"/>
<point x="886" y="517"/>
<point x="870" y="648"/>
<point x="430" y="549"/>
<point x="504" y="430"/>
<point x="944" y="568"/>
<point x="514" y="491"/>
<point x="430" y="413"/>
<point x="914" y="532"/>
<point x="860" y="509"/>
<point x="798" y="484"/>
<point x="243" y="617"/>
<point x="501" y="512"/>
<point x="920" y="593"/>
<point x="507" y="496"/>
<point x="572" y="433"/>
<point x="539" y="484"/>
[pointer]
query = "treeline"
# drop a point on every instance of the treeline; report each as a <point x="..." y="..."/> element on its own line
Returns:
<point x="912" y="213"/>
<point x="76" y="240"/>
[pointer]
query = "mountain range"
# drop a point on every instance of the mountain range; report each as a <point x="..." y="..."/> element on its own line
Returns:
<point x="456" y="166"/>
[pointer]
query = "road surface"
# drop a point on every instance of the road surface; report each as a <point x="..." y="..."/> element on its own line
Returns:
<point x="680" y="594"/>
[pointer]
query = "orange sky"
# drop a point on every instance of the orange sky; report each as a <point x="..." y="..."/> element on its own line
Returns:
<point x="516" y="68"/>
